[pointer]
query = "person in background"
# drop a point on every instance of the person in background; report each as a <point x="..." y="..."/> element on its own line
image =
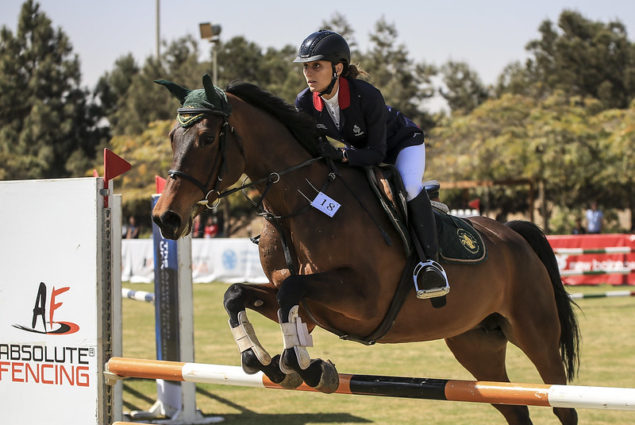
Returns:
<point x="211" y="228"/>
<point x="594" y="219"/>
<point x="579" y="228"/>
<point x="353" y="112"/>
<point x="197" y="229"/>
<point x="132" y="230"/>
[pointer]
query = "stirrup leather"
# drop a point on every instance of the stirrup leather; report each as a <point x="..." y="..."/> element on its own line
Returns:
<point x="432" y="292"/>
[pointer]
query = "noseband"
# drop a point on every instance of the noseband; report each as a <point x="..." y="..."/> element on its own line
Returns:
<point x="199" y="113"/>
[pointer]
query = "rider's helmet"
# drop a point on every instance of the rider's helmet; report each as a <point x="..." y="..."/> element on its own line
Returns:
<point x="324" y="45"/>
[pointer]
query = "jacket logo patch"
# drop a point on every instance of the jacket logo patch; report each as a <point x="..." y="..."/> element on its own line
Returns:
<point x="357" y="131"/>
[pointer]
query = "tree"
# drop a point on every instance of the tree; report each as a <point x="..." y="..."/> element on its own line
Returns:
<point x="47" y="126"/>
<point x="239" y="59"/>
<point x="402" y="83"/>
<point x="465" y="91"/>
<point x="584" y="58"/>
<point x="129" y="96"/>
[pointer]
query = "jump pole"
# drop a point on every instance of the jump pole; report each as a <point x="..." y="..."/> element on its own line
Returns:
<point x="389" y="386"/>
<point x="609" y="294"/>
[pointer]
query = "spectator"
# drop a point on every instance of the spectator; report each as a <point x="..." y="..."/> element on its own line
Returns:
<point x="594" y="219"/>
<point x="579" y="228"/>
<point x="197" y="229"/>
<point x="132" y="230"/>
<point x="211" y="228"/>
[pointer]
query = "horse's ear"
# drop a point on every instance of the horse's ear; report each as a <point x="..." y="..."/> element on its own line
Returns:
<point x="210" y="90"/>
<point x="178" y="91"/>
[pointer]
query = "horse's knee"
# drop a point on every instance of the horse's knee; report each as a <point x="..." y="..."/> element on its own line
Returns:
<point x="290" y="293"/>
<point x="234" y="301"/>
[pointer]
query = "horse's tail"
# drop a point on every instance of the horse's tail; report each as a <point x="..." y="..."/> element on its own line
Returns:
<point x="569" y="334"/>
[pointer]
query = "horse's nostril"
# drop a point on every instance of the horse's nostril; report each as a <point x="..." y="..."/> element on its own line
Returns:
<point x="171" y="220"/>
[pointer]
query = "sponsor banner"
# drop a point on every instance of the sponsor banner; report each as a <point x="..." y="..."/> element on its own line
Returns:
<point x="590" y="264"/>
<point x="231" y="260"/>
<point x="49" y="358"/>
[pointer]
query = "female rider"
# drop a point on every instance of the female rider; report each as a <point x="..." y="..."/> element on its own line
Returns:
<point x="353" y="111"/>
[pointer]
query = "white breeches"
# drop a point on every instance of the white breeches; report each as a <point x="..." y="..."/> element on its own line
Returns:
<point x="411" y="163"/>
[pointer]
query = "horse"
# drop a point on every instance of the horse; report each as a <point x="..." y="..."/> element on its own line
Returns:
<point x="339" y="271"/>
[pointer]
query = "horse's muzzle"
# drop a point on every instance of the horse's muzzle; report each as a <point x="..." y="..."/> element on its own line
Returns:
<point x="170" y="224"/>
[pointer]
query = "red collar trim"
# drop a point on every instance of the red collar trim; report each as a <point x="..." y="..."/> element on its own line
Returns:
<point x="318" y="103"/>
<point x="343" y="96"/>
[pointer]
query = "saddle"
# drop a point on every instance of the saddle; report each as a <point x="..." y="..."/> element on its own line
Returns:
<point x="459" y="241"/>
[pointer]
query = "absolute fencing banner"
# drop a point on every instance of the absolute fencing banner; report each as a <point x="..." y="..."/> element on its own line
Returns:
<point x="595" y="259"/>
<point x="51" y="362"/>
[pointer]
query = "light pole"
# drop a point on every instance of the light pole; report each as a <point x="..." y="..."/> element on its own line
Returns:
<point x="158" y="32"/>
<point x="212" y="34"/>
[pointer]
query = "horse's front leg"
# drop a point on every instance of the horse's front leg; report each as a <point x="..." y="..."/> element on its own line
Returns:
<point x="254" y="357"/>
<point x="325" y="289"/>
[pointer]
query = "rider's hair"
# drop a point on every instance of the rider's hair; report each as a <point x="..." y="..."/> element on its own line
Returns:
<point x="354" y="71"/>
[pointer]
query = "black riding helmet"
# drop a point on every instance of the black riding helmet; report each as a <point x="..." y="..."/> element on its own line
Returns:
<point x="325" y="45"/>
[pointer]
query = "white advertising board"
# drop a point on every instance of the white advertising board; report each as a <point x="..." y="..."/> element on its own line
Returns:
<point x="50" y="326"/>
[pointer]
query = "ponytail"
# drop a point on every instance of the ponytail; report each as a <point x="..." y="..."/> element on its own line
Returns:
<point x="354" y="71"/>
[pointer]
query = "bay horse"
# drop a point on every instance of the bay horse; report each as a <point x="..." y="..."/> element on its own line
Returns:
<point x="338" y="272"/>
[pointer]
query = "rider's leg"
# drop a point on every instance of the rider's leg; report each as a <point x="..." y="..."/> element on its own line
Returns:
<point x="431" y="279"/>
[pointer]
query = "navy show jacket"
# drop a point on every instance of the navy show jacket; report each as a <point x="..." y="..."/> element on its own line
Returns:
<point x="372" y="131"/>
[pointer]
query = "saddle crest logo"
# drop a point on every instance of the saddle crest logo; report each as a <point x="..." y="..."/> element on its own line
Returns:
<point x="468" y="241"/>
<point x="39" y="312"/>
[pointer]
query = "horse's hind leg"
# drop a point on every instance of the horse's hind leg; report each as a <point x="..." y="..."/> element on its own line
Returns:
<point x="253" y="356"/>
<point x="539" y="340"/>
<point x="482" y="352"/>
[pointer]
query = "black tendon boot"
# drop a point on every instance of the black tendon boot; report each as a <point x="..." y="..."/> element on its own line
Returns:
<point x="429" y="277"/>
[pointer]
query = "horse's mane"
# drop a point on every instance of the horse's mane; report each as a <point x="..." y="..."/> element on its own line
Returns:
<point x="301" y="125"/>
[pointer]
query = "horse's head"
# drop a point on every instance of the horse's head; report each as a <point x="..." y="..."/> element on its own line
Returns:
<point x="201" y="155"/>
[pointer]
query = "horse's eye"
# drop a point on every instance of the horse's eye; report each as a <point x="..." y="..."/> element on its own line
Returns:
<point x="207" y="139"/>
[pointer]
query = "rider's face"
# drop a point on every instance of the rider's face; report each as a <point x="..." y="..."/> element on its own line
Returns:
<point x="318" y="75"/>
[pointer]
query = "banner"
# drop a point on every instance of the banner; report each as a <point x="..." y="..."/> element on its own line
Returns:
<point x="230" y="260"/>
<point x="588" y="258"/>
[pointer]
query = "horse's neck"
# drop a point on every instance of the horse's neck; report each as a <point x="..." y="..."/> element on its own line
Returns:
<point x="270" y="148"/>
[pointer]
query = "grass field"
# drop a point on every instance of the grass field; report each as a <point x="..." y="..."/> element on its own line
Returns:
<point x="607" y="359"/>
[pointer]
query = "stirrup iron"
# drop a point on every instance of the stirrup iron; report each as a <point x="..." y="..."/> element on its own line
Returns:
<point x="432" y="292"/>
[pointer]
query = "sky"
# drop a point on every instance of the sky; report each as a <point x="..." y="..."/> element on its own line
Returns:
<point x="487" y="34"/>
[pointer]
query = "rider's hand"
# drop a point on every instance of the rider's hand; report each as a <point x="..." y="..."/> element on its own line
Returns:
<point x="328" y="151"/>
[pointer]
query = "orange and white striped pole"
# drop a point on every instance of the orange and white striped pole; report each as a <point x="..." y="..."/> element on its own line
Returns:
<point x="391" y="386"/>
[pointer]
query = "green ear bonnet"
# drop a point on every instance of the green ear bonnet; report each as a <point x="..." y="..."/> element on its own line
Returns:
<point x="195" y="104"/>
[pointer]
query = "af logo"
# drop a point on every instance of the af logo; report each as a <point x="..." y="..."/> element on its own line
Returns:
<point x="39" y="312"/>
<point x="468" y="241"/>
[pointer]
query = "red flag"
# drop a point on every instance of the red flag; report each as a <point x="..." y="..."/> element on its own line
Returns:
<point x="114" y="165"/>
<point x="475" y="204"/>
<point x="160" y="183"/>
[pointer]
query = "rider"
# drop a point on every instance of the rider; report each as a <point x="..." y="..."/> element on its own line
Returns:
<point x="353" y="112"/>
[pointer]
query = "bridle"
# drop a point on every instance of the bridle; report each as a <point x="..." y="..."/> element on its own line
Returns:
<point x="222" y="141"/>
<point x="272" y="178"/>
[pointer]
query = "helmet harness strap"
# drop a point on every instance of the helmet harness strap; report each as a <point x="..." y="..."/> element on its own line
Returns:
<point x="328" y="89"/>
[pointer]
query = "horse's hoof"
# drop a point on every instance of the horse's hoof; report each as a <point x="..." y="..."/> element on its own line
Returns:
<point x="250" y="362"/>
<point x="291" y="381"/>
<point x="329" y="379"/>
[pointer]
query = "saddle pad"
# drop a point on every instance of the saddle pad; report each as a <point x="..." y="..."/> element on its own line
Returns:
<point x="459" y="242"/>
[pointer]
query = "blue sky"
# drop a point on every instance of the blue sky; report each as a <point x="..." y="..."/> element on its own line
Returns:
<point x="487" y="34"/>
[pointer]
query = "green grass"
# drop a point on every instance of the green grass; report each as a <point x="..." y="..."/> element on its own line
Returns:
<point x="607" y="359"/>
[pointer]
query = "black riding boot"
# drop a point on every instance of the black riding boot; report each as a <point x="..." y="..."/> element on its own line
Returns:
<point x="429" y="276"/>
